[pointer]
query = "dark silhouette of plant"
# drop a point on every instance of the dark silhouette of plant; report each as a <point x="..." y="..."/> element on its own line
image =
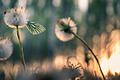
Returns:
<point x="71" y="70"/>
<point x="66" y="29"/>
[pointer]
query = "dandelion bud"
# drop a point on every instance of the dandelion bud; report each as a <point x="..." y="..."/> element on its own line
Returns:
<point x="63" y="29"/>
<point x="6" y="49"/>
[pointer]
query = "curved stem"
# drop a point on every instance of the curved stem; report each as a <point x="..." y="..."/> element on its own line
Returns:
<point x="91" y="52"/>
<point x="21" y="49"/>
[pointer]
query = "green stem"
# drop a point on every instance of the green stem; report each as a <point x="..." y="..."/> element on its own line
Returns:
<point x="91" y="52"/>
<point x="21" y="49"/>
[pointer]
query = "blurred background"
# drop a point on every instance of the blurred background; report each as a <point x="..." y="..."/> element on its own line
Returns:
<point x="92" y="17"/>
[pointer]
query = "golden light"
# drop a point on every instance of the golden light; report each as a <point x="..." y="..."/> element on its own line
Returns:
<point x="114" y="59"/>
<point x="106" y="47"/>
<point x="59" y="62"/>
<point x="111" y="64"/>
<point x="104" y="65"/>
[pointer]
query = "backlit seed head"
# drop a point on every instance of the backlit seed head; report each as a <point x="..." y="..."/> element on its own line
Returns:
<point x="63" y="29"/>
<point x="16" y="17"/>
<point x="6" y="48"/>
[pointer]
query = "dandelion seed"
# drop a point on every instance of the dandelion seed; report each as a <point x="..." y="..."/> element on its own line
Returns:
<point x="6" y="49"/>
<point x="63" y="29"/>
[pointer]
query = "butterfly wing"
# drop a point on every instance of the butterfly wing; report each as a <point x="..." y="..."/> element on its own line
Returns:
<point x="35" y="28"/>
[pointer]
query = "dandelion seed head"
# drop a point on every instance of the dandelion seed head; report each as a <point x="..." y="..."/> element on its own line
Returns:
<point x="16" y="17"/>
<point x="63" y="29"/>
<point x="6" y="48"/>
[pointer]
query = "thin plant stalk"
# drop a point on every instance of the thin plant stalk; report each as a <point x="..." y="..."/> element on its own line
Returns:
<point x="77" y="36"/>
<point x="21" y="49"/>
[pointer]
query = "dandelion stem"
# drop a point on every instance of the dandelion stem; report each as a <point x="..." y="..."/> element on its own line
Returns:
<point x="21" y="49"/>
<point x="77" y="36"/>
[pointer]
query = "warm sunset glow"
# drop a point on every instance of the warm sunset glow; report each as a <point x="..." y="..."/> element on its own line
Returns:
<point x="114" y="59"/>
<point x="107" y="50"/>
<point x="105" y="65"/>
<point x="111" y="64"/>
<point x="59" y="62"/>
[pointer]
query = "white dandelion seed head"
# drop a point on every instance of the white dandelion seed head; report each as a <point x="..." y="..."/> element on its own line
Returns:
<point x="16" y="17"/>
<point x="61" y="34"/>
<point x="6" y="48"/>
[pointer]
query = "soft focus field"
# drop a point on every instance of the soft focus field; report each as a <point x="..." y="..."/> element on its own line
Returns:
<point x="48" y="58"/>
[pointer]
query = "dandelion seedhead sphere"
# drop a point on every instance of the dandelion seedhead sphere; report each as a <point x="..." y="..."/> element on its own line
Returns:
<point x="66" y="29"/>
<point x="6" y="49"/>
<point x="16" y="17"/>
<point x="63" y="29"/>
